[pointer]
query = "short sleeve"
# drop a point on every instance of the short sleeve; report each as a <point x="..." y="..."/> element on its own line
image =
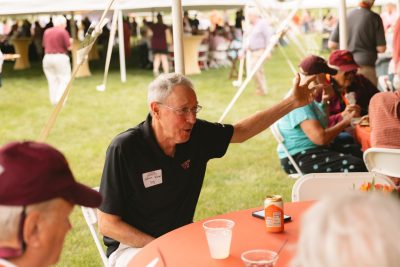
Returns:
<point x="214" y="138"/>
<point x="380" y="32"/>
<point x="335" y="34"/>
<point x="111" y="181"/>
<point x="297" y="116"/>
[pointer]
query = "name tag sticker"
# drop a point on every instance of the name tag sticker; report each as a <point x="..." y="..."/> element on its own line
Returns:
<point x="152" y="178"/>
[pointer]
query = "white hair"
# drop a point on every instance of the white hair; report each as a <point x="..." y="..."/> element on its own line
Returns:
<point x="59" y="20"/>
<point x="357" y="229"/>
<point x="162" y="86"/>
<point x="10" y="217"/>
<point x="253" y="11"/>
<point x="9" y="222"/>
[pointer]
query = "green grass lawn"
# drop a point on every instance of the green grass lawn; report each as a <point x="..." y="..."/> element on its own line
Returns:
<point x="90" y="119"/>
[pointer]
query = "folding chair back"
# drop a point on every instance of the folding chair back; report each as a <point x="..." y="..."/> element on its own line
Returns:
<point x="90" y="215"/>
<point x="315" y="186"/>
<point x="279" y="138"/>
<point x="385" y="161"/>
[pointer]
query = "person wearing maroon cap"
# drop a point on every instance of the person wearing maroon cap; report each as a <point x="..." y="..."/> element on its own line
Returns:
<point x="352" y="91"/>
<point x="366" y="38"/>
<point x="305" y="130"/>
<point x="37" y="194"/>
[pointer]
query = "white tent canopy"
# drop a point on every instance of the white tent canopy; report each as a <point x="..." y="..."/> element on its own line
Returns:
<point x="317" y="4"/>
<point x="16" y="7"/>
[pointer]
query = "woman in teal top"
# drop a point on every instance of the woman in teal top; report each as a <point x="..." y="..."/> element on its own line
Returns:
<point x="308" y="139"/>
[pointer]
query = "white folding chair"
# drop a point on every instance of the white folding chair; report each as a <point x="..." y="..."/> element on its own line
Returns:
<point x="385" y="161"/>
<point x="279" y="138"/>
<point x="90" y="215"/>
<point x="315" y="186"/>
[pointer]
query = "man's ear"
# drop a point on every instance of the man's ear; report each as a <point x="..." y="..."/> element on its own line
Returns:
<point x="155" y="109"/>
<point x="31" y="229"/>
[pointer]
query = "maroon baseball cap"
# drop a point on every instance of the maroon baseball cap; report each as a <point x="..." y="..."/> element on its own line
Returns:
<point x="343" y="60"/>
<point x="32" y="172"/>
<point x="312" y="65"/>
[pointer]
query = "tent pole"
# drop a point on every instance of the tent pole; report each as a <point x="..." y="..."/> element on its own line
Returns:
<point x="177" y="26"/>
<point x="342" y="25"/>
<point x="72" y="26"/>
<point x="122" y="65"/>
<point x="110" y="46"/>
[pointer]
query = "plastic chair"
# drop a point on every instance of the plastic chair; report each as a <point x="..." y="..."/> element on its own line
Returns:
<point x="279" y="138"/>
<point x="384" y="161"/>
<point x="90" y="216"/>
<point x="315" y="186"/>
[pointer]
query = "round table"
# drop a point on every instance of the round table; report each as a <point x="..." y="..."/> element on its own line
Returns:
<point x="191" y="46"/>
<point x="21" y="46"/>
<point x="84" y="70"/>
<point x="187" y="246"/>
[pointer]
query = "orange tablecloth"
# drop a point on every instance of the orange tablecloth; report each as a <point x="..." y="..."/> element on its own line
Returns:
<point x="363" y="136"/>
<point x="187" y="246"/>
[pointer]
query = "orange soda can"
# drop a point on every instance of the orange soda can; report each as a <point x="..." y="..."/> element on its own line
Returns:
<point x="273" y="207"/>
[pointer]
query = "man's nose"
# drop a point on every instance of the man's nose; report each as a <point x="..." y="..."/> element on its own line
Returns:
<point x="191" y="117"/>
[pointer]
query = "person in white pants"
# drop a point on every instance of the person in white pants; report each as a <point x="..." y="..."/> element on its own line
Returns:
<point x="56" y="63"/>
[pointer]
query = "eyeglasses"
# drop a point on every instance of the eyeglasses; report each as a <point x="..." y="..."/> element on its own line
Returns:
<point x="183" y="111"/>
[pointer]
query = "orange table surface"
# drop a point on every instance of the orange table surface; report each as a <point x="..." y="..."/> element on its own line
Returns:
<point x="363" y="136"/>
<point x="187" y="246"/>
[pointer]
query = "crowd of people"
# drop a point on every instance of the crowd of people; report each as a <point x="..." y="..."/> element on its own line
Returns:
<point x="153" y="173"/>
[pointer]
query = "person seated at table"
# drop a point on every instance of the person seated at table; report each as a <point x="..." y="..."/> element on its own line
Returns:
<point x="37" y="195"/>
<point x="384" y="120"/>
<point x="356" y="229"/>
<point x="154" y="172"/>
<point x="352" y="91"/>
<point x="306" y="133"/>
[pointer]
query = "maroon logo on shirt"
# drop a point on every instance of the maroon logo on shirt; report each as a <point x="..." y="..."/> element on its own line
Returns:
<point x="186" y="164"/>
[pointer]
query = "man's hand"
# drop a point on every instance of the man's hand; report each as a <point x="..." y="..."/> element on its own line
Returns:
<point x="301" y="95"/>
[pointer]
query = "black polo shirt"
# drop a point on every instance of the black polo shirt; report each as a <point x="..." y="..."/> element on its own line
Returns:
<point x="150" y="190"/>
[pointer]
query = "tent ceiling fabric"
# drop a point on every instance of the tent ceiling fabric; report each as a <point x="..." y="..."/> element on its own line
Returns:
<point x="15" y="7"/>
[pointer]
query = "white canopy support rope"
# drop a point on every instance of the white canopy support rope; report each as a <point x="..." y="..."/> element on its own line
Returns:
<point x="93" y="32"/>
<point x="288" y="61"/>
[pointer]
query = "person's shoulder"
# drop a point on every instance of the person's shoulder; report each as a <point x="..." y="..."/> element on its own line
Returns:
<point x="128" y="137"/>
<point x="203" y="123"/>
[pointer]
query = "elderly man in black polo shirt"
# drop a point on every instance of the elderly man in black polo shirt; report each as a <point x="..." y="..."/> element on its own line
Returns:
<point x="154" y="172"/>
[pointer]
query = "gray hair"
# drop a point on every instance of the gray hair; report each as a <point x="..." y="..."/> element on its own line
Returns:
<point x="162" y="86"/>
<point x="368" y="2"/>
<point x="358" y="229"/>
<point x="59" y="20"/>
<point x="9" y="222"/>
<point x="10" y="217"/>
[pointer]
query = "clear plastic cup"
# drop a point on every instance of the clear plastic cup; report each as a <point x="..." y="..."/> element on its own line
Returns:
<point x="219" y="236"/>
<point x="259" y="258"/>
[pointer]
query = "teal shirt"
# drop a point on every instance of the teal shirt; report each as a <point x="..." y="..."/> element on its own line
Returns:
<point x="289" y="126"/>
